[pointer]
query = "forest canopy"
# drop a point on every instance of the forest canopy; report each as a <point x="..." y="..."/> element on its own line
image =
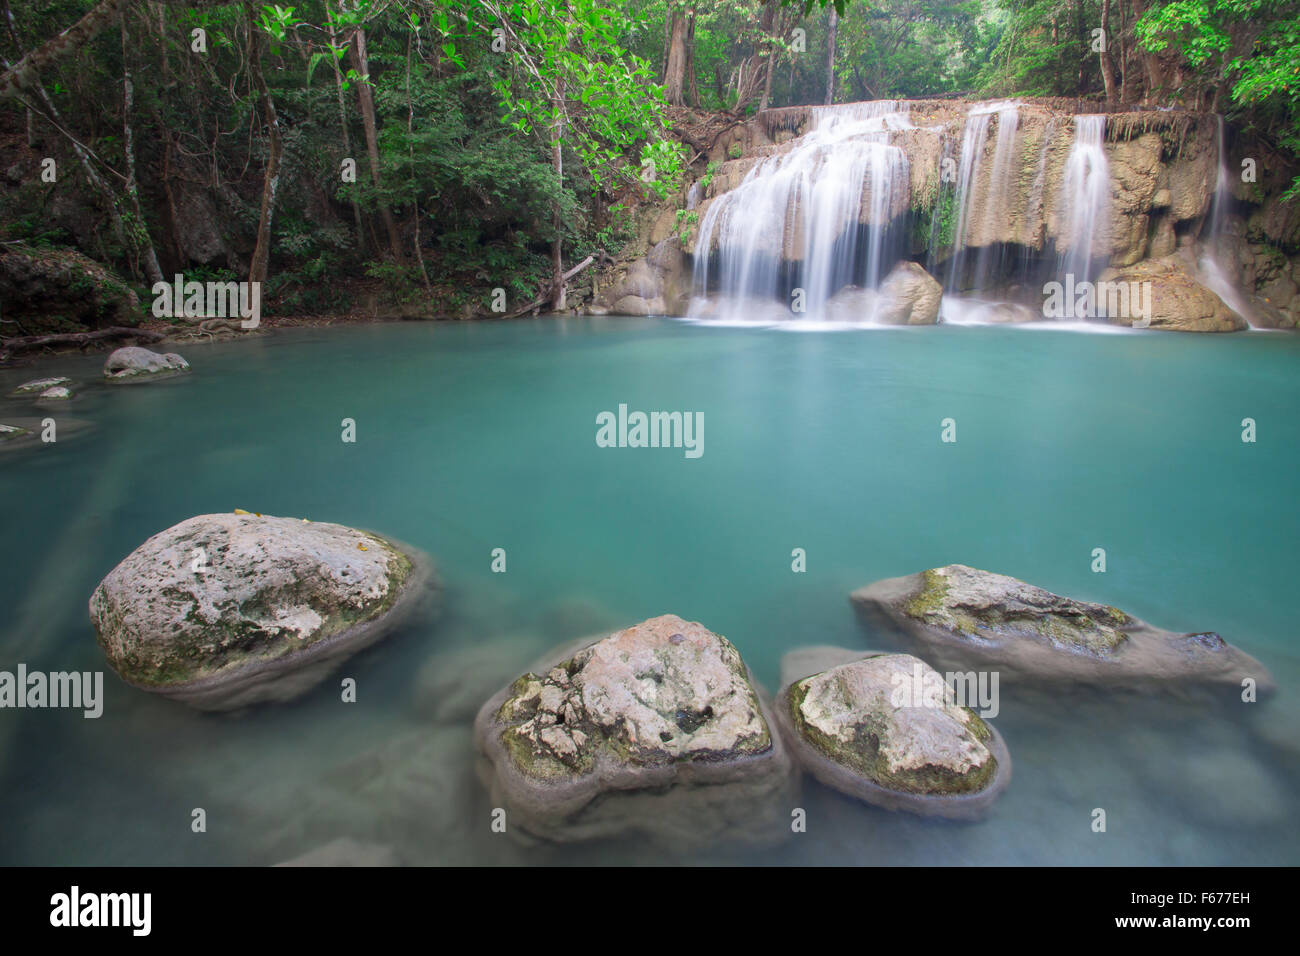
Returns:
<point x="426" y="145"/>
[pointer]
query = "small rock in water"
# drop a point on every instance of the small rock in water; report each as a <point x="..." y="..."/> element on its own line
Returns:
<point x="8" y="432"/>
<point x="139" y="364"/>
<point x="640" y="733"/>
<point x="58" y="393"/>
<point x="39" y="385"/>
<point x="850" y="727"/>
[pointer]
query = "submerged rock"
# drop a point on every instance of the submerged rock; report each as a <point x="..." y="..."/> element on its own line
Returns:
<point x="11" y="432"/>
<point x="226" y="610"/>
<point x="345" y="851"/>
<point x="134" y="364"/>
<point x="960" y="615"/>
<point x="655" y="729"/>
<point x="38" y="385"/>
<point x="866" y="727"/>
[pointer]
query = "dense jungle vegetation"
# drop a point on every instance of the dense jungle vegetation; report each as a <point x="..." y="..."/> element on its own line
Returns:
<point x="433" y="149"/>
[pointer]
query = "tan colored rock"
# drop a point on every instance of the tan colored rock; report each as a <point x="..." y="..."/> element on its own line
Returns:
<point x="1179" y="302"/>
<point x="909" y="296"/>
<point x="885" y="728"/>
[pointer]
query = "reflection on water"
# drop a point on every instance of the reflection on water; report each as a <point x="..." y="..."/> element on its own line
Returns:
<point x="478" y="437"/>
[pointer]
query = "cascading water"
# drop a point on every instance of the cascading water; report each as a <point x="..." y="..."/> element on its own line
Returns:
<point x="805" y="205"/>
<point x="997" y="198"/>
<point x="1085" y="199"/>
<point x="1213" y="274"/>
<point x="973" y="204"/>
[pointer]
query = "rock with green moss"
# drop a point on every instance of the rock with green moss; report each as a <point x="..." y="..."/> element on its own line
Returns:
<point x="12" y="432"/>
<point x="961" y="616"/>
<point x="38" y="385"/>
<point x="226" y="610"/>
<point x="656" y="730"/>
<point x="58" y="393"/>
<point x="885" y="729"/>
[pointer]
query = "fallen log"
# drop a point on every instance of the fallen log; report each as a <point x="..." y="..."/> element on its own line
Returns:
<point x="22" y="343"/>
<point x="543" y="299"/>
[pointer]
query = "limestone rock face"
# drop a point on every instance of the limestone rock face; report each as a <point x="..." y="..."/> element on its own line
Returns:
<point x="135" y="364"/>
<point x="961" y="616"/>
<point x="868" y="727"/>
<point x="226" y="610"/>
<point x="1179" y="302"/>
<point x="655" y="729"/>
<point x="659" y="284"/>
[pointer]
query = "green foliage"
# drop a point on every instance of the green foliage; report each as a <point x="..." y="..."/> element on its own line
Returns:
<point x="663" y="162"/>
<point x="1263" y="74"/>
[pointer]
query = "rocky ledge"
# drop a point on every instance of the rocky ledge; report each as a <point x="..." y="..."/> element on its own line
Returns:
<point x="226" y="610"/>
<point x="961" y="616"/>
<point x="868" y="726"/>
<point x="656" y="729"/>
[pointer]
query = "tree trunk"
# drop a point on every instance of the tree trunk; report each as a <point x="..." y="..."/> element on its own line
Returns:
<point x="830" y="55"/>
<point x="557" y="244"/>
<point x="140" y="234"/>
<point x="258" y="268"/>
<point x="1107" y="63"/>
<point x="361" y="63"/>
<point x="410" y="154"/>
<point x="347" y="137"/>
<point x="692" y="92"/>
<point x="27" y="70"/>
<point x="768" y="24"/>
<point x="675" y="63"/>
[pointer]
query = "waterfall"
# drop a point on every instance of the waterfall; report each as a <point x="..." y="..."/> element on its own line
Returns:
<point x="998" y="195"/>
<point x="973" y="206"/>
<point x="1213" y="273"/>
<point x="805" y="205"/>
<point x="1085" y="199"/>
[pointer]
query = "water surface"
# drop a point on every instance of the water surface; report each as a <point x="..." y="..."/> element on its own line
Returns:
<point x="472" y="437"/>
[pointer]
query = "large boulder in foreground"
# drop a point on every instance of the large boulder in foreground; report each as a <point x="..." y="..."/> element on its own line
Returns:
<point x="135" y="364"/>
<point x="656" y="729"/>
<point x="961" y="616"/>
<point x="227" y="610"/>
<point x="884" y="728"/>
